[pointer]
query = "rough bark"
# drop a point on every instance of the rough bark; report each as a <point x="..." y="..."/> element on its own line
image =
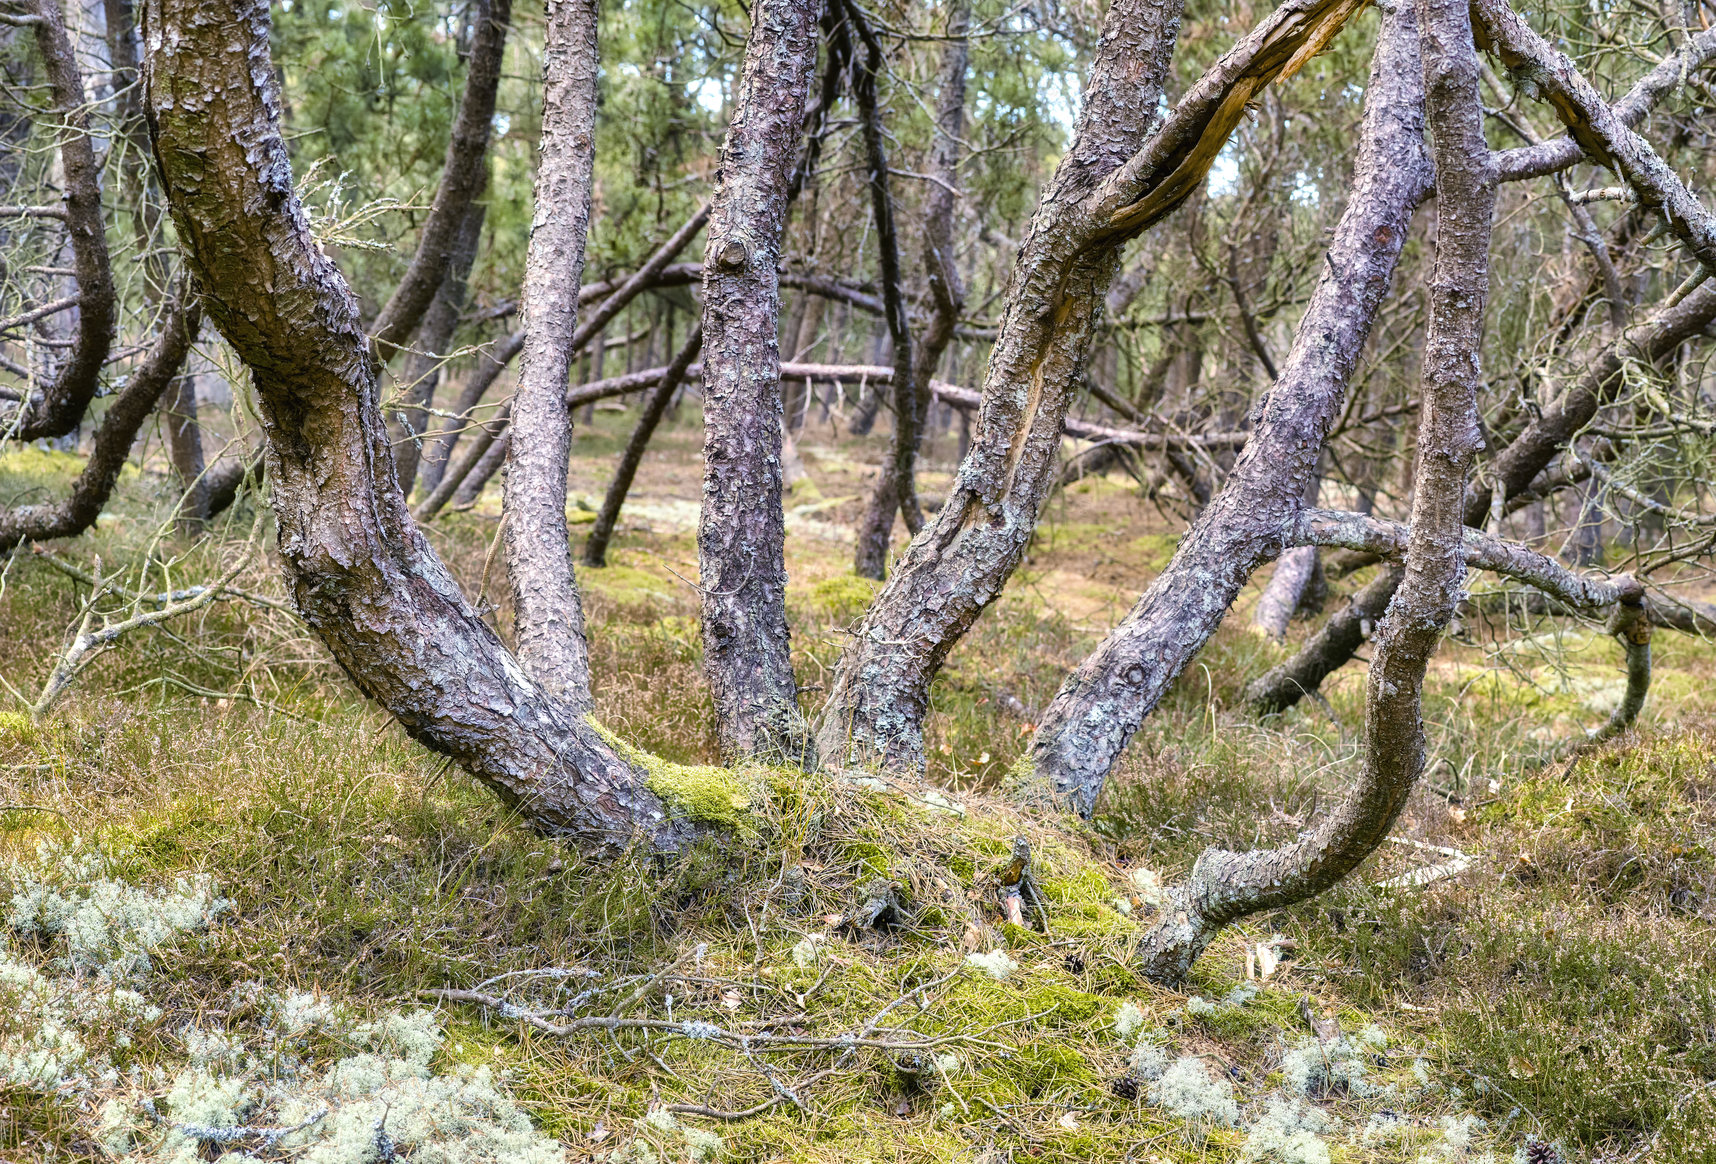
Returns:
<point x="1539" y="160"/>
<point x="742" y="533"/>
<point x="1105" y="191"/>
<point x="1600" y="132"/>
<point x="60" y="405"/>
<point x="1225" y="886"/>
<point x="549" y="616"/>
<point x="596" y="545"/>
<point x="361" y="574"/>
<point x="463" y="176"/>
<point x="1295" y="572"/>
<point x="1085" y="728"/>
<point x="77" y="511"/>
<point x="895" y="488"/>
<point x="412" y="446"/>
<point x="1516" y="468"/>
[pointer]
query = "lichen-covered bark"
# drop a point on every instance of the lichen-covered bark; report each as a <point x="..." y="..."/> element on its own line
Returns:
<point x="1599" y="131"/>
<point x="58" y="408"/>
<point x="464" y="173"/>
<point x="741" y="537"/>
<point x="548" y="614"/>
<point x="361" y="574"/>
<point x="1225" y="886"/>
<point x="77" y="511"/>
<point x="1105" y="191"/>
<point x="1085" y="728"/>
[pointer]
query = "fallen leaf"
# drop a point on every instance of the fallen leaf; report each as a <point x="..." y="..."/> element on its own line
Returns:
<point x="732" y="999"/>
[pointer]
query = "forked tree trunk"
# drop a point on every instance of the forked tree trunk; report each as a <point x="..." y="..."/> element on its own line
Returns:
<point x="741" y="536"/>
<point x="1226" y="886"/>
<point x="1105" y="191"/>
<point x="1088" y="724"/>
<point x="144" y="388"/>
<point x="360" y="572"/>
<point x="548" y="614"/>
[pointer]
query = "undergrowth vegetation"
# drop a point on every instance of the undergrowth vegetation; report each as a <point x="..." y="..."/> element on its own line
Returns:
<point x="233" y="888"/>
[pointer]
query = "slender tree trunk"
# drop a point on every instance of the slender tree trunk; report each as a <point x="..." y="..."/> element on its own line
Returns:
<point x="742" y="534"/>
<point x="895" y="487"/>
<point x="1296" y="570"/>
<point x="548" y="612"/>
<point x="185" y="446"/>
<point x="89" y="494"/>
<point x="1226" y="886"/>
<point x="413" y="446"/>
<point x="59" y="408"/>
<point x="1085" y="728"/>
<point x="464" y="173"/>
<point x="1106" y="190"/>
<point x="896" y="482"/>
<point x="596" y="545"/>
<point x="361" y="574"/>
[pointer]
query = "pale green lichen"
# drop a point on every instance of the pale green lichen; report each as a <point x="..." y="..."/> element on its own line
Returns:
<point x="1186" y="1089"/>
<point x="997" y="964"/>
<point x="1289" y="1133"/>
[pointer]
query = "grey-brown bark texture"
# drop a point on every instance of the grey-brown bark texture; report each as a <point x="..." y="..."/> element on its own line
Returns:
<point x="413" y="447"/>
<point x="549" y="617"/>
<point x="144" y="388"/>
<point x="57" y="409"/>
<point x="596" y="544"/>
<point x="895" y="488"/>
<point x="464" y="173"/>
<point x="741" y="537"/>
<point x="1225" y="886"/>
<point x="361" y="574"/>
<point x="1518" y="466"/>
<point x="1085" y="728"/>
<point x="1105" y="191"/>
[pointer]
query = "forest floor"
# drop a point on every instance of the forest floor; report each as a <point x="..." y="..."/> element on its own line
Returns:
<point x="233" y="881"/>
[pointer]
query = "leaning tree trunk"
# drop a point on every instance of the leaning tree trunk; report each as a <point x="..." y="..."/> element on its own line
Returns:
<point x="422" y="370"/>
<point x="549" y="616"/>
<point x="895" y="489"/>
<point x="60" y="406"/>
<point x="741" y="537"/>
<point x="1226" y="886"/>
<point x="896" y="483"/>
<point x="360" y="572"/>
<point x="1088" y="724"/>
<point x="1105" y="191"/>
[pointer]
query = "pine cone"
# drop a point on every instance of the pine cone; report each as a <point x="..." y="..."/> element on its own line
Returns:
<point x="1542" y="1152"/>
<point x="1075" y="963"/>
<point x="1127" y="1086"/>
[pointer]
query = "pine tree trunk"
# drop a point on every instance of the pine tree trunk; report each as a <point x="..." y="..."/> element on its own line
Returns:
<point x="1085" y="728"/>
<point x="741" y="537"/>
<point x="360" y="572"/>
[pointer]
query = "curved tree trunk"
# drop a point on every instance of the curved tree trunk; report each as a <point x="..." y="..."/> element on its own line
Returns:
<point x="1085" y="728"/>
<point x="1226" y="886"/>
<point x="361" y="574"/>
<point x="741" y="536"/>
<point x="113" y="440"/>
<point x="549" y="617"/>
<point x="60" y="406"/>
<point x="1105" y="191"/>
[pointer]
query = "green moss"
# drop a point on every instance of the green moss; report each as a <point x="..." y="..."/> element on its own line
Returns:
<point x="18" y="728"/>
<point x="843" y="597"/>
<point x="704" y="792"/>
